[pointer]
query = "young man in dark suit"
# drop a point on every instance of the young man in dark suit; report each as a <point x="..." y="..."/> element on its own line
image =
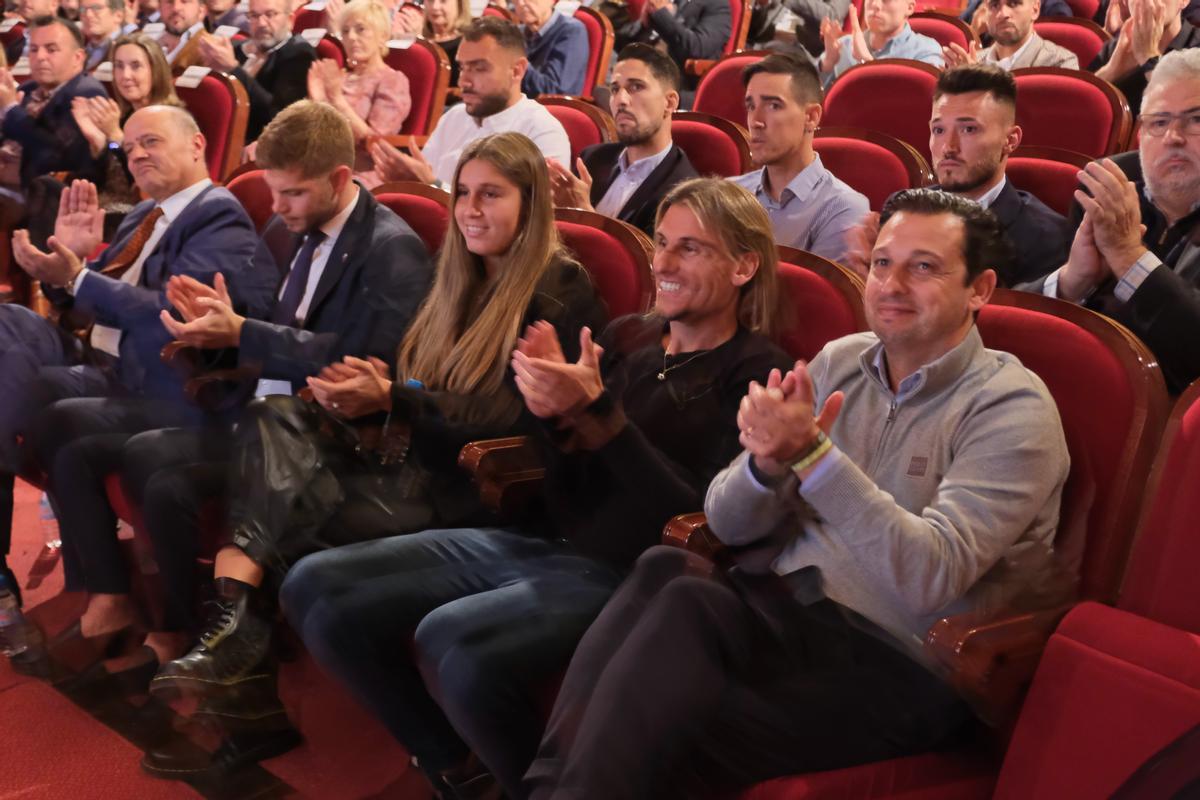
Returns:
<point x="272" y="64"/>
<point x="41" y="121"/>
<point x="627" y="178"/>
<point x="186" y="227"/>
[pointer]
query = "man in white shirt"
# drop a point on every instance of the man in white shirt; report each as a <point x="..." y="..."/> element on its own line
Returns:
<point x="492" y="63"/>
<point x="183" y="19"/>
<point x="626" y="179"/>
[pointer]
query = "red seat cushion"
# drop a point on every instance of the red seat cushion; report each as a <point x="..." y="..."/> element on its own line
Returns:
<point x="944" y="31"/>
<point x="1084" y="42"/>
<point x="1097" y="407"/>
<point x="212" y="105"/>
<point x="420" y="66"/>
<point x="581" y="130"/>
<point x="821" y="312"/>
<point x="305" y="19"/>
<point x="427" y="217"/>
<point x="620" y="279"/>
<point x="1111" y="690"/>
<point x="884" y="96"/>
<point x="251" y="190"/>
<point x="1161" y="581"/>
<point x="1086" y="9"/>
<point x="1052" y="182"/>
<point x="867" y="167"/>
<point x="721" y="92"/>
<point x="965" y="775"/>
<point x="709" y="149"/>
<point x="1064" y="111"/>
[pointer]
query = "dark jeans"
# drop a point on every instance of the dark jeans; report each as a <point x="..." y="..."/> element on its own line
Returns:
<point x="689" y="684"/>
<point x="478" y="621"/>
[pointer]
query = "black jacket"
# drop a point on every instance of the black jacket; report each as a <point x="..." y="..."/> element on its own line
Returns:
<point x="282" y="81"/>
<point x="51" y="141"/>
<point x="1165" y="310"/>
<point x="1133" y="84"/>
<point x="640" y="208"/>
<point x="1040" y="236"/>
<point x="374" y="281"/>
<point x="697" y="29"/>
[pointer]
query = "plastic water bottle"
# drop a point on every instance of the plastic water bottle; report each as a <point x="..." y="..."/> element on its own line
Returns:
<point x="12" y="622"/>
<point x="49" y="523"/>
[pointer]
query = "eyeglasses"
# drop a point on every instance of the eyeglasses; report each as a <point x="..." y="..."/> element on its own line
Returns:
<point x="1157" y="125"/>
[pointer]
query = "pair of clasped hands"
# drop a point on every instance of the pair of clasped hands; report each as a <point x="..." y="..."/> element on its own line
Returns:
<point x="778" y="423"/>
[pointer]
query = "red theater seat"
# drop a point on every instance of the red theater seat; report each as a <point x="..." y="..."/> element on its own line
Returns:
<point x="585" y="124"/>
<point x="425" y="208"/>
<point x="1082" y="37"/>
<point x="825" y="299"/>
<point x="1084" y="9"/>
<point x="714" y="145"/>
<point x="945" y="28"/>
<point x="892" y="96"/>
<point x="600" y="44"/>
<point x="615" y="254"/>
<point x="427" y="68"/>
<point x="1047" y="173"/>
<point x="221" y="108"/>
<point x="250" y="188"/>
<point x="720" y="91"/>
<point x="1073" y="110"/>
<point x="871" y="162"/>
<point x="329" y="47"/>
<point x="304" y="19"/>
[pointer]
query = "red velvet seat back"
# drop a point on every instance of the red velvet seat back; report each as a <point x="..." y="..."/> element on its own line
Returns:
<point x="581" y="129"/>
<point x="1082" y="37"/>
<point x="427" y="216"/>
<point x="12" y="34"/>
<point x="1111" y="400"/>
<point x="600" y="42"/>
<point x="305" y="19"/>
<point x="427" y="68"/>
<point x="618" y="261"/>
<point x="892" y="96"/>
<point x="711" y="150"/>
<point x="1071" y="109"/>
<point x="875" y="168"/>
<point x="721" y="92"/>
<point x="1112" y="689"/>
<point x="214" y="105"/>
<point x="1052" y="182"/>
<point x="251" y="190"/>
<point x="738" y="13"/>
<point x="943" y="30"/>
<point x="1161" y="582"/>
<point x="820" y="311"/>
<point x="1084" y="9"/>
<point x="328" y="47"/>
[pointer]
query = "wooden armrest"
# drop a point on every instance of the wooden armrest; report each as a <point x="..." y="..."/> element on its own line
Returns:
<point x="508" y="472"/>
<point x="691" y="532"/>
<point x="400" y="142"/>
<point x="991" y="662"/>
<point x="698" y="66"/>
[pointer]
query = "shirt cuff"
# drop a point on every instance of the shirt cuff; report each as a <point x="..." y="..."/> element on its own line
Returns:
<point x="819" y="474"/>
<point x="1136" y="276"/>
<point x="1050" y="287"/>
<point x="79" y="281"/>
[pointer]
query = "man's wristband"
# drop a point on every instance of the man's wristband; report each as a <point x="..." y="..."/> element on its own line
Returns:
<point x="820" y="446"/>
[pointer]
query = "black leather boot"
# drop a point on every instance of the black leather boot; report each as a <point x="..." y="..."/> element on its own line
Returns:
<point x="233" y="647"/>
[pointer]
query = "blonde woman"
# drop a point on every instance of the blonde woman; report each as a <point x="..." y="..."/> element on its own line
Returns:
<point x="372" y="96"/>
<point x="309" y="477"/>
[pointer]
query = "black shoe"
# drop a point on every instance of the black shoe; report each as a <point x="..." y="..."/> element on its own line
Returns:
<point x="182" y="760"/>
<point x="251" y="705"/>
<point x="470" y="780"/>
<point x="11" y="578"/>
<point x="233" y="647"/>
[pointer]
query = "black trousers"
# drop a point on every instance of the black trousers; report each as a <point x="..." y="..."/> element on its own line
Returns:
<point x="689" y="684"/>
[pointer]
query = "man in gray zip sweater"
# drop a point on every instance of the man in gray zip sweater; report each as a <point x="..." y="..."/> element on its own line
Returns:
<point x="929" y="484"/>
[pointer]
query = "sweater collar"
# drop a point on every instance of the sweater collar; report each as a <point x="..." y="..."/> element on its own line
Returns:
<point x="932" y="377"/>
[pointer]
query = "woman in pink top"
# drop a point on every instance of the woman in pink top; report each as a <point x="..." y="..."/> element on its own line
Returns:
<point x="373" y="97"/>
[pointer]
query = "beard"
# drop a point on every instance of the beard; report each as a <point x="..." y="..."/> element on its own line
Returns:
<point x="637" y="135"/>
<point x="976" y="175"/>
<point x="1178" y="187"/>
<point x="489" y="104"/>
<point x="1010" y="37"/>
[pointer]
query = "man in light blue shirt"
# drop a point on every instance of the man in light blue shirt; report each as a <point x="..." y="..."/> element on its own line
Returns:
<point x="809" y="207"/>
<point x="887" y="35"/>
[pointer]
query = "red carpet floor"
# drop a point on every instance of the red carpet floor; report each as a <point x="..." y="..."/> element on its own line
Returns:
<point x="55" y="749"/>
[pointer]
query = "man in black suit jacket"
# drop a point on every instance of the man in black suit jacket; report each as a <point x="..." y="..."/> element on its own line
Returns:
<point x="272" y="64"/>
<point x="1149" y="282"/>
<point x="628" y="178"/>
<point x="688" y="28"/>
<point x="973" y="131"/>
<point x="187" y="227"/>
<point x="41" y="121"/>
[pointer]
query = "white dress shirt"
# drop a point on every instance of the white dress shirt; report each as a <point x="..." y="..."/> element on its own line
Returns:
<point x="629" y="178"/>
<point x="991" y="194"/>
<point x="332" y="230"/>
<point x="457" y="129"/>
<point x="183" y="40"/>
<point x="108" y="339"/>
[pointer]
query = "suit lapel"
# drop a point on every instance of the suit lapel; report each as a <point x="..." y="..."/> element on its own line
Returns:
<point x="648" y="189"/>
<point x="1007" y="205"/>
<point x="339" y="258"/>
<point x="155" y="265"/>
<point x="605" y="176"/>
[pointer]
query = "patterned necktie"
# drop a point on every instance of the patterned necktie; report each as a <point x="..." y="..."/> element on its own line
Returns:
<point x="297" y="281"/>
<point x="125" y="259"/>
